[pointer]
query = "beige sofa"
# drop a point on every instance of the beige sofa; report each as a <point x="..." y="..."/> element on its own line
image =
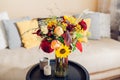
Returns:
<point x="100" y="58"/>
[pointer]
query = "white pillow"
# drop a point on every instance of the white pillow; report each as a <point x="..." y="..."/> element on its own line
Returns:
<point x="3" y="38"/>
<point x="13" y="37"/>
<point x="100" y="24"/>
<point x="105" y="25"/>
<point x="95" y="25"/>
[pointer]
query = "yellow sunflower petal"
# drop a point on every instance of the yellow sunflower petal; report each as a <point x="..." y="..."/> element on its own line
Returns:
<point x="62" y="52"/>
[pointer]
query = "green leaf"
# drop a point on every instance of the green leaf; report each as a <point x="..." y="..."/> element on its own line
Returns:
<point x="60" y="39"/>
<point x="73" y="47"/>
<point x="78" y="35"/>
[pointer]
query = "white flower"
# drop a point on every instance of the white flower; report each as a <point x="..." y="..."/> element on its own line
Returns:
<point x="44" y="29"/>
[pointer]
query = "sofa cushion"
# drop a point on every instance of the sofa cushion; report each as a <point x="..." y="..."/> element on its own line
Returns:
<point x="98" y="55"/>
<point x="26" y="29"/>
<point x="95" y="25"/>
<point x="3" y="39"/>
<point x="13" y="36"/>
<point x="100" y="24"/>
<point x="105" y="25"/>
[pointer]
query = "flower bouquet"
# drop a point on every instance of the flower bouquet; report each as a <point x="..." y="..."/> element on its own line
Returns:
<point x="62" y="35"/>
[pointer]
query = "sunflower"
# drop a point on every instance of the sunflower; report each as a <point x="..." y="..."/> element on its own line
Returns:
<point x="62" y="52"/>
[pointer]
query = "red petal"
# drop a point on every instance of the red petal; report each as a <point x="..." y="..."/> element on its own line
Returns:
<point x="37" y="32"/>
<point x="46" y="46"/>
<point x="83" y="24"/>
<point x="79" y="46"/>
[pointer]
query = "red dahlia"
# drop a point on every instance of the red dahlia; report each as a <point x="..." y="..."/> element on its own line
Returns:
<point x="46" y="46"/>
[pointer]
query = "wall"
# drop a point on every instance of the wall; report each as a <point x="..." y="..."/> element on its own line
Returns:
<point x="44" y="8"/>
<point x="104" y="6"/>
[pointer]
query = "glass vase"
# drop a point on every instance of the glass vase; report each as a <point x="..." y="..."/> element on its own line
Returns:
<point x="61" y="67"/>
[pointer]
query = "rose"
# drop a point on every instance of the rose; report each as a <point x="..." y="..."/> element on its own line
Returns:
<point x="58" y="31"/>
<point x="83" y="24"/>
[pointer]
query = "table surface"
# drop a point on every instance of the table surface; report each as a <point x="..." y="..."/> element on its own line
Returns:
<point x="75" y="72"/>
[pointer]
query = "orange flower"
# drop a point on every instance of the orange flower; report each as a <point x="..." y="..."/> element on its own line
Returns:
<point x="55" y="44"/>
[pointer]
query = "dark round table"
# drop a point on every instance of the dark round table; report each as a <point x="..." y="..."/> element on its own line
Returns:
<point x="75" y="72"/>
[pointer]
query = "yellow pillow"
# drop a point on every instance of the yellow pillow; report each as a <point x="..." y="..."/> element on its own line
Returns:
<point x="26" y="29"/>
<point x="84" y="39"/>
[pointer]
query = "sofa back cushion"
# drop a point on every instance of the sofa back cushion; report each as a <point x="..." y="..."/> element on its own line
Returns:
<point x="26" y="29"/>
<point x="95" y="25"/>
<point x="13" y="36"/>
<point x="100" y="24"/>
<point x="3" y="38"/>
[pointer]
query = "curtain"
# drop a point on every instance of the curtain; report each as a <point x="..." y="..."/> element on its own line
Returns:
<point x="112" y="7"/>
<point x="115" y="19"/>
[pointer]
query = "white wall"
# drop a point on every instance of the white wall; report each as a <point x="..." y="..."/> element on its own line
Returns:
<point x="44" y="8"/>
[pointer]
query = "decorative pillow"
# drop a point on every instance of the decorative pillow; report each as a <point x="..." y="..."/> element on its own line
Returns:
<point x="105" y="25"/>
<point x="3" y="39"/>
<point x="95" y="25"/>
<point x="13" y="36"/>
<point x="26" y="29"/>
<point x="100" y="24"/>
